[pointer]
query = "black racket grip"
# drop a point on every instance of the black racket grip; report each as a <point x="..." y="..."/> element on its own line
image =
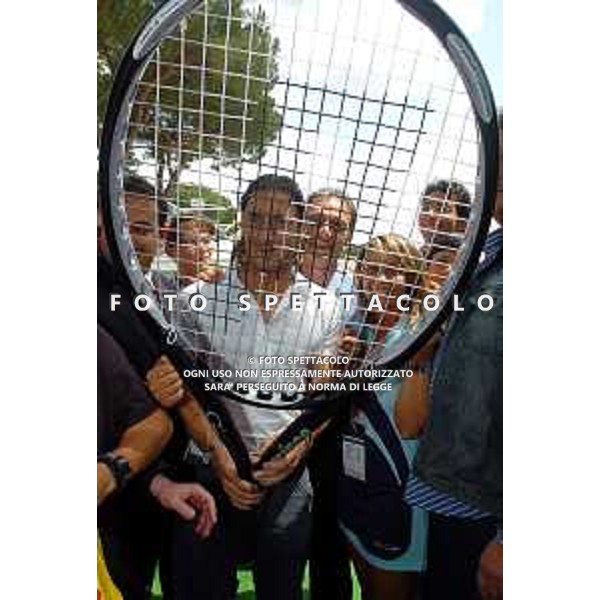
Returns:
<point x="301" y="429"/>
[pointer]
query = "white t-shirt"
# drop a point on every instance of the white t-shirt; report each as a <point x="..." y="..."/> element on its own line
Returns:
<point x="234" y="337"/>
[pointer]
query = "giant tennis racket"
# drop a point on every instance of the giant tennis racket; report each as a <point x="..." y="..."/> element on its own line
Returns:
<point x="371" y="101"/>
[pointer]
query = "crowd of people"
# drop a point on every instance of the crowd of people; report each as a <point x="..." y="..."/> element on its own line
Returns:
<point x="404" y="484"/>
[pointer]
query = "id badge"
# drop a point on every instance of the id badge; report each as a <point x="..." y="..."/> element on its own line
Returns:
<point x="353" y="453"/>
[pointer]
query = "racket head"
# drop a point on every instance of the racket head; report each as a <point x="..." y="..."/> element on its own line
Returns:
<point x="374" y="108"/>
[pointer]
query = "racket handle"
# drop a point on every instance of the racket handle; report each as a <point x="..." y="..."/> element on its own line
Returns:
<point x="301" y="429"/>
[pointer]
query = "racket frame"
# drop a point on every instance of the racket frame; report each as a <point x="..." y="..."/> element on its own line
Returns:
<point x="320" y="406"/>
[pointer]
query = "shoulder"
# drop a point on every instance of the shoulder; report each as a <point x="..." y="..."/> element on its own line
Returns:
<point x="318" y="295"/>
<point x="111" y="356"/>
<point x="104" y="340"/>
<point x="106" y="345"/>
<point x="303" y="284"/>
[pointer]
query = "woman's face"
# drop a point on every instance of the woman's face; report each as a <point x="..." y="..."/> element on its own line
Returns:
<point x="193" y="248"/>
<point x="380" y="273"/>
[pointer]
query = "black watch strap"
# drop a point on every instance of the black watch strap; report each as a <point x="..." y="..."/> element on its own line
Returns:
<point x="119" y="467"/>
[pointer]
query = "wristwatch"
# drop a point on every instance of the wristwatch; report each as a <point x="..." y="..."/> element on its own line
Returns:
<point x="119" y="467"/>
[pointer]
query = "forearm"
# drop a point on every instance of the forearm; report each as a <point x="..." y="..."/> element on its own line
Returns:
<point x="142" y="443"/>
<point x="412" y="405"/>
<point x="197" y="423"/>
<point x="105" y="482"/>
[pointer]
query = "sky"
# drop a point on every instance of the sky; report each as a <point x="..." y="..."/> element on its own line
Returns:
<point x="390" y="69"/>
<point x="481" y="21"/>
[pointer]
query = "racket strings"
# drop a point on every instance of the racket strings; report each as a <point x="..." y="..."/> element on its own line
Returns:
<point x="375" y="112"/>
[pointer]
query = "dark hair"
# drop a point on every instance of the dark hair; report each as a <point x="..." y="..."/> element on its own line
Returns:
<point x="277" y="183"/>
<point x="333" y="193"/>
<point x="134" y="184"/>
<point x="451" y="188"/>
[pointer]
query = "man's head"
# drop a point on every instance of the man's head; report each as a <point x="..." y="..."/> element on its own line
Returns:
<point x="444" y="211"/>
<point x="329" y="219"/>
<point x="145" y="218"/>
<point x="438" y="269"/>
<point x="189" y="241"/>
<point x="271" y="207"/>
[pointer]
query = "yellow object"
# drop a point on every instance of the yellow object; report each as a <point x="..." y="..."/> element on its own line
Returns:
<point x="106" y="588"/>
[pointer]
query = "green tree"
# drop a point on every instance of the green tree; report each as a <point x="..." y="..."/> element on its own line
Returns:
<point x="218" y="106"/>
<point x="190" y="195"/>
<point x="117" y="22"/>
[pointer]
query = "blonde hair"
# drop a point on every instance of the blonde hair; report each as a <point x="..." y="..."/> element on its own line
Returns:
<point x="406" y="256"/>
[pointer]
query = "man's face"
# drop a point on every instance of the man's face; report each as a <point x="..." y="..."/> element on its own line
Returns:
<point x="438" y="271"/>
<point x="328" y="227"/>
<point x="141" y="216"/>
<point x="193" y="247"/>
<point x="270" y="231"/>
<point x="439" y="216"/>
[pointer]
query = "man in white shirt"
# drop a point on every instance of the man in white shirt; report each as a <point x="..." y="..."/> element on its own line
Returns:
<point x="234" y="331"/>
<point x="250" y="313"/>
<point x="329" y="221"/>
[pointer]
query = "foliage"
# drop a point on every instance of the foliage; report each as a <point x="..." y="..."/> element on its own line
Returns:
<point x="221" y="211"/>
<point x="223" y="118"/>
<point x="117" y="22"/>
